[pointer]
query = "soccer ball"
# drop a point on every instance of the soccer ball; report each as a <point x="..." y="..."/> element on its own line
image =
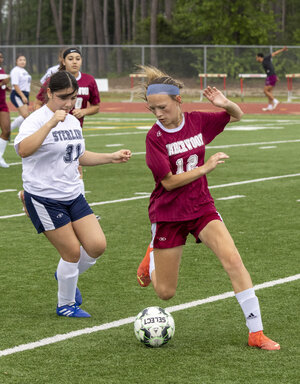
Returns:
<point x="154" y="326"/>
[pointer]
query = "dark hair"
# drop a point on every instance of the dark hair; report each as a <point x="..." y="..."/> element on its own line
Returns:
<point x="20" y="55"/>
<point x="260" y="55"/>
<point x="62" y="80"/>
<point x="67" y="51"/>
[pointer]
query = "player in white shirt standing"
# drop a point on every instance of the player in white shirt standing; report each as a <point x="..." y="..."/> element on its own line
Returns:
<point x="51" y="145"/>
<point x="50" y="71"/>
<point x="21" y="82"/>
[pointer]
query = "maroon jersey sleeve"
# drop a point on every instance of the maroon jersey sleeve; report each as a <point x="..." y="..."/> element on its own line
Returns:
<point x="157" y="157"/>
<point x="42" y="94"/>
<point x="212" y="123"/>
<point x="94" y="93"/>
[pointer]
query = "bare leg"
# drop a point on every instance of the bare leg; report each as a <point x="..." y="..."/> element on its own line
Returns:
<point x="216" y="236"/>
<point x="165" y="275"/>
<point x="268" y="92"/>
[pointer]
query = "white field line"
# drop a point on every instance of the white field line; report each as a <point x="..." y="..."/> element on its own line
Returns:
<point x="207" y="147"/>
<point x="145" y="196"/>
<point x="231" y="197"/>
<point x="250" y="144"/>
<point x="8" y="190"/>
<point x="128" y="320"/>
<point x="240" y="145"/>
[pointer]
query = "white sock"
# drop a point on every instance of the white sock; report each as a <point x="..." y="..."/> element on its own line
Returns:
<point x="67" y="276"/>
<point x="275" y="101"/>
<point x="152" y="264"/>
<point x="250" y="306"/>
<point x="85" y="261"/>
<point x="16" y="123"/>
<point x="3" y="144"/>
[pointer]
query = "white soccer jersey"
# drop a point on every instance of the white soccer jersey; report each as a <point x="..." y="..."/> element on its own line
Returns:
<point x="50" y="71"/>
<point x="19" y="76"/>
<point x="52" y="171"/>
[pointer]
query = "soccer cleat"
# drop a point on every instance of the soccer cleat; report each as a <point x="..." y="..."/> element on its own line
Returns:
<point x="275" y="103"/>
<point x="78" y="297"/>
<point x="259" y="340"/>
<point x="3" y="163"/>
<point x="143" y="276"/>
<point x="71" y="311"/>
<point x="21" y="197"/>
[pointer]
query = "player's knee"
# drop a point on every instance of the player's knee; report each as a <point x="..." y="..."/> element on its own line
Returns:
<point x="72" y="254"/>
<point x="233" y="262"/>
<point x="165" y="293"/>
<point x="97" y="248"/>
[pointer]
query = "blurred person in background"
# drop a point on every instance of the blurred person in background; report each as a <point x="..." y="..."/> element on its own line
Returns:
<point x="4" y="113"/>
<point x="21" y="81"/>
<point x="271" y="79"/>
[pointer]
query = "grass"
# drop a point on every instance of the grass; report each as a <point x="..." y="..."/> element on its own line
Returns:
<point x="209" y="345"/>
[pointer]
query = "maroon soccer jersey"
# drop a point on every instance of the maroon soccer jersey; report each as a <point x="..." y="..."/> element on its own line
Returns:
<point x="3" y="105"/>
<point x="87" y="92"/>
<point x="179" y="150"/>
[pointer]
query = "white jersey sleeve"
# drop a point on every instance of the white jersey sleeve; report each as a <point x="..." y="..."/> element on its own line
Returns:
<point x="52" y="171"/>
<point x="50" y="71"/>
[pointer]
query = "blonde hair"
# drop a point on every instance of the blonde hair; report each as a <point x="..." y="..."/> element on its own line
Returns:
<point x="156" y="76"/>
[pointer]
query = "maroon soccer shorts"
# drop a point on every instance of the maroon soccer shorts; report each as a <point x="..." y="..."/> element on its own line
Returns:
<point x="174" y="234"/>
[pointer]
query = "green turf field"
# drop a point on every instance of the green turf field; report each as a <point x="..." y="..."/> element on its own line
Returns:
<point x="210" y="342"/>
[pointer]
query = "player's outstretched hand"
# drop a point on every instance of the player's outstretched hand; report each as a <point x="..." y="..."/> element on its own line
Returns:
<point x="215" y="96"/>
<point x="214" y="160"/>
<point x="121" y="156"/>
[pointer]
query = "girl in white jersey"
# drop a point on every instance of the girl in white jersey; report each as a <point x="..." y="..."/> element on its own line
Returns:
<point x="181" y="203"/>
<point x="51" y="145"/>
<point x="20" y="81"/>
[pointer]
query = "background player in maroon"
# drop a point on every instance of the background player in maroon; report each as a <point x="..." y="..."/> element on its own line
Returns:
<point x="88" y="99"/>
<point x="181" y="203"/>
<point x="4" y="115"/>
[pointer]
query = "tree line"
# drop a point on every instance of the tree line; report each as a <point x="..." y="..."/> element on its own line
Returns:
<point x="119" y="22"/>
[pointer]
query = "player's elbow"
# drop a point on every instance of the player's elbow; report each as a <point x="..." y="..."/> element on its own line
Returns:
<point x="240" y="115"/>
<point x="168" y="185"/>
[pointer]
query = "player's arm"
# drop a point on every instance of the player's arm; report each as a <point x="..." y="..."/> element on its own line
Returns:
<point x="32" y="143"/>
<point x="91" y="110"/>
<point x="37" y="104"/>
<point x="170" y="181"/>
<point x="217" y="98"/>
<point x="20" y="93"/>
<point x="94" y="158"/>
<point x="4" y="81"/>
<point x="279" y="51"/>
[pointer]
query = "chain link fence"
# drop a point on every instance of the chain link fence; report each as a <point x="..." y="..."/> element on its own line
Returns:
<point x="181" y="61"/>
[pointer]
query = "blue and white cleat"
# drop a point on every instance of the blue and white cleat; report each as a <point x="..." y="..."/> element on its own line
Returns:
<point x="71" y="311"/>
<point x="78" y="297"/>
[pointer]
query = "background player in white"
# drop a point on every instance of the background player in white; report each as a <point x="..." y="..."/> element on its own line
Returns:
<point x="51" y="145"/>
<point x="181" y="202"/>
<point x="4" y="114"/>
<point x="88" y="98"/>
<point x="21" y="82"/>
<point x="51" y="70"/>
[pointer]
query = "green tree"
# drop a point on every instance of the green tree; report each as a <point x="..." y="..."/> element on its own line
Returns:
<point x="224" y="22"/>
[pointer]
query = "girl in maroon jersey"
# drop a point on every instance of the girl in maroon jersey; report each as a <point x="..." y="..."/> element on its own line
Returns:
<point x="181" y="203"/>
<point x="4" y="114"/>
<point x="88" y="99"/>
